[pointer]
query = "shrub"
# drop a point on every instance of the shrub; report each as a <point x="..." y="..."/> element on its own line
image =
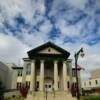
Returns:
<point x="23" y="90"/>
<point x="1" y="91"/>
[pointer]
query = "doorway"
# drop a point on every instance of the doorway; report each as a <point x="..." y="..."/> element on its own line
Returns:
<point x="48" y="86"/>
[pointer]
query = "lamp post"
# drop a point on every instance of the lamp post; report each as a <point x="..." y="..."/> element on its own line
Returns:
<point x="46" y="92"/>
<point x="76" y="60"/>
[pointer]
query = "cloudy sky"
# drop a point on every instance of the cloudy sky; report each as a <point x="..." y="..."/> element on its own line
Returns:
<point x="71" y="24"/>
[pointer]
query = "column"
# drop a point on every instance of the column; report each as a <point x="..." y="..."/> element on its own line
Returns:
<point x="41" y="75"/>
<point x="32" y="82"/>
<point x="55" y="76"/>
<point x="24" y="73"/>
<point x="64" y="76"/>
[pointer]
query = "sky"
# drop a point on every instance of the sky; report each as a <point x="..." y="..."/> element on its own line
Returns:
<point x="71" y="24"/>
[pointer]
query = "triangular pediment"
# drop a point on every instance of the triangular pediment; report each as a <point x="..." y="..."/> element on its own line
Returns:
<point x="48" y="49"/>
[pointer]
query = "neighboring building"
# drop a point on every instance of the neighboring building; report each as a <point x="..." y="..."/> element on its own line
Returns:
<point x="12" y="75"/>
<point x="47" y="68"/>
<point x="95" y="74"/>
<point x="6" y="73"/>
<point x="3" y="74"/>
<point x="93" y="82"/>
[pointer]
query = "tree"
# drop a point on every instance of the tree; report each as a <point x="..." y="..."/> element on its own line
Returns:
<point x="1" y="91"/>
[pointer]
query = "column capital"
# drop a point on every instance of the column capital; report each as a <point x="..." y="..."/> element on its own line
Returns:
<point x="42" y="61"/>
<point x="64" y="61"/>
<point x="55" y="61"/>
<point x="33" y="61"/>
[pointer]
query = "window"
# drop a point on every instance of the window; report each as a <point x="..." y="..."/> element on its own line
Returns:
<point x="28" y="69"/>
<point x="84" y="83"/>
<point x="47" y="72"/>
<point x="58" y="84"/>
<point x="37" y="86"/>
<point x="96" y="82"/>
<point x="68" y="84"/>
<point x="49" y="86"/>
<point x="38" y="71"/>
<point x="27" y="84"/>
<point x="68" y="70"/>
<point x="89" y="82"/>
<point x="73" y="73"/>
<point x="18" y="85"/>
<point x="19" y="72"/>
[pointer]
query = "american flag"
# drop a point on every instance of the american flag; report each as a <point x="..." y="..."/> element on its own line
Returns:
<point x="79" y="67"/>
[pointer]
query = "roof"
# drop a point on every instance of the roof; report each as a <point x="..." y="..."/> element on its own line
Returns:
<point x="34" y="52"/>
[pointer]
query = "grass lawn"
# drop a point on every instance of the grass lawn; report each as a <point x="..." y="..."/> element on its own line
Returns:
<point x="15" y="98"/>
<point x="91" y="98"/>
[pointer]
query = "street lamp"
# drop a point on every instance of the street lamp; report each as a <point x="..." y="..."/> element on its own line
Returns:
<point x="76" y="60"/>
<point x="46" y="92"/>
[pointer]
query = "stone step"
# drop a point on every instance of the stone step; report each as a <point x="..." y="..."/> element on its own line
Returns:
<point x="50" y="96"/>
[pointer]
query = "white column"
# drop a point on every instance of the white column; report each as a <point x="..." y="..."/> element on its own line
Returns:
<point x="55" y="76"/>
<point x="64" y="76"/>
<point x="24" y="73"/>
<point x="41" y="75"/>
<point x="32" y="82"/>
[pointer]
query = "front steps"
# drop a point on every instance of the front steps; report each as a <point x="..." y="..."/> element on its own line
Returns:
<point x="50" y="96"/>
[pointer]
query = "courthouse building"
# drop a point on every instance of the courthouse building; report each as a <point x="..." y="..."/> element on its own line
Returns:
<point x="47" y="68"/>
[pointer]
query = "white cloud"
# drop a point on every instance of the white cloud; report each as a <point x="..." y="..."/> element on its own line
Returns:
<point x="77" y="3"/>
<point x="69" y="30"/>
<point x="11" y="8"/>
<point x="11" y="49"/>
<point x="40" y="6"/>
<point x="46" y="27"/>
<point x="66" y="13"/>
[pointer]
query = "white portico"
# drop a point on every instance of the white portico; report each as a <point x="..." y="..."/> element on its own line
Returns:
<point x="47" y="68"/>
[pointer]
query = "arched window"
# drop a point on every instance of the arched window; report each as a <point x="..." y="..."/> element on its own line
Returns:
<point x="28" y="69"/>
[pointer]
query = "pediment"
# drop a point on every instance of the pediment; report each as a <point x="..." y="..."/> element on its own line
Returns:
<point x="47" y="49"/>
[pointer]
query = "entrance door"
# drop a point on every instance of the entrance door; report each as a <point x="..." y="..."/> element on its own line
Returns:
<point x="48" y="87"/>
